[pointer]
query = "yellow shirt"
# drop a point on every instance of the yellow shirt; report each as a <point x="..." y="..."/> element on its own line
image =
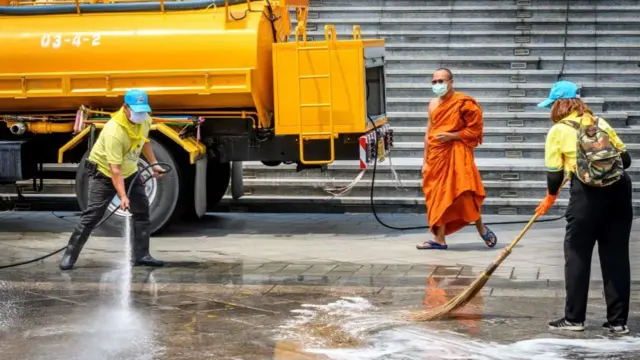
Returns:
<point x="560" y="148"/>
<point x="120" y="143"/>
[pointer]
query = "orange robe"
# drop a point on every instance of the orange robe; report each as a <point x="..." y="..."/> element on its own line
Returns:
<point x="452" y="185"/>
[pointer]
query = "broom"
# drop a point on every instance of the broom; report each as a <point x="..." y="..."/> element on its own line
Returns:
<point x="477" y="285"/>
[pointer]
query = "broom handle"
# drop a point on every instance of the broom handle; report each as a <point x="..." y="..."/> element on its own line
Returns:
<point x="507" y="251"/>
<point x="530" y="223"/>
<point x="521" y="235"/>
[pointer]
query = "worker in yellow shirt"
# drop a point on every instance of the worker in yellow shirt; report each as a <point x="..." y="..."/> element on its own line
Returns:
<point x="587" y="148"/>
<point x="111" y="166"/>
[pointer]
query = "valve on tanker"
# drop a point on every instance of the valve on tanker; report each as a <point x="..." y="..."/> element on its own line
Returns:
<point x="18" y="128"/>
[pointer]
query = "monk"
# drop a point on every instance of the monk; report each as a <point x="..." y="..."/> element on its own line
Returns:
<point x="451" y="181"/>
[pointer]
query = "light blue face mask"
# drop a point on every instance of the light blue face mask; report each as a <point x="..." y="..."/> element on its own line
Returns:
<point x="137" y="117"/>
<point x="439" y="89"/>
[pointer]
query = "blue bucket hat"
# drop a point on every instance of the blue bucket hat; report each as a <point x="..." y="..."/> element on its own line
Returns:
<point x="561" y="90"/>
<point x="137" y="100"/>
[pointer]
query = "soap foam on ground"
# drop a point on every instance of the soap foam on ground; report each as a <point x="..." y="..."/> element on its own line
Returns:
<point x="385" y="336"/>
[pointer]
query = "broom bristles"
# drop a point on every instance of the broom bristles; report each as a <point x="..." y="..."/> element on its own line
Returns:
<point x="456" y="303"/>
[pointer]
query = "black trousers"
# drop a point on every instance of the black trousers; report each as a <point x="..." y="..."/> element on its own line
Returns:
<point x="101" y="193"/>
<point x="604" y="215"/>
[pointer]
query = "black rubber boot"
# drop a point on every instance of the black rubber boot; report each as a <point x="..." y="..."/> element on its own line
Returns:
<point x="77" y="240"/>
<point x="141" y="237"/>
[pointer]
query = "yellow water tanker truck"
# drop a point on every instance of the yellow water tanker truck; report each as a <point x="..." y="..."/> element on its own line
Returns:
<point x="228" y="81"/>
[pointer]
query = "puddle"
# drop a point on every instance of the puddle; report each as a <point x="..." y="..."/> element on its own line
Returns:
<point x="354" y="329"/>
<point x="55" y="329"/>
<point x="108" y="333"/>
<point x="9" y="311"/>
<point x="66" y="329"/>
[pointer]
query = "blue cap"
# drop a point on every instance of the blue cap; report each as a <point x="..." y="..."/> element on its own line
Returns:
<point x="561" y="90"/>
<point x="137" y="100"/>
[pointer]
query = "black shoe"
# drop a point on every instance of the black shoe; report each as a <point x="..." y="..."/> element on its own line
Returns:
<point x="77" y="240"/>
<point x="148" y="260"/>
<point x="618" y="330"/>
<point x="563" y="324"/>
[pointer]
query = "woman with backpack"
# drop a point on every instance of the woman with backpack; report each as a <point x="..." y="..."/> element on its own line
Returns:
<point x="600" y="208"/>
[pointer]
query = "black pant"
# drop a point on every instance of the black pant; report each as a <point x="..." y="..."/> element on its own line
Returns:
<point x="101" y="193"/>
<point x="604" y="215"/>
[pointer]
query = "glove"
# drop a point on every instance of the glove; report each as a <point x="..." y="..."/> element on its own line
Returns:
<point x="546" y="204"/>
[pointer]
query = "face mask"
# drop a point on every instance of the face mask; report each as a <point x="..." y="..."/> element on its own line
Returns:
<point x="439" y="89"/>
<point x="137" y="117"/>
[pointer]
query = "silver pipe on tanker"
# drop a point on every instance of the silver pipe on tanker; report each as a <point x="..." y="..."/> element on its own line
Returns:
<point x="18" y="128"/>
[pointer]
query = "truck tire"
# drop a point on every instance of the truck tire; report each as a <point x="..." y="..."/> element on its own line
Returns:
<point x="237" y="185"/>
<point x="163" y="194"/>
<point x="218" y="179"/>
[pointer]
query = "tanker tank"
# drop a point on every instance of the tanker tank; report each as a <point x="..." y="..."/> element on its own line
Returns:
<point x="187" y="55"/>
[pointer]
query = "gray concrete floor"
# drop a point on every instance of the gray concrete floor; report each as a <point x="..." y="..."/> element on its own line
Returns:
<point x="261" y="286"/>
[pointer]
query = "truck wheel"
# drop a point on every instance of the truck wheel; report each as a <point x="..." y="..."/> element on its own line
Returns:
<point x="218" y="178"/>
<point x="237" y="185"/>
<point x="163" y="193"/>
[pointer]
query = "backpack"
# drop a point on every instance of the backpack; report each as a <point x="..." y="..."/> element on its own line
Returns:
<point x="598" y="162"/>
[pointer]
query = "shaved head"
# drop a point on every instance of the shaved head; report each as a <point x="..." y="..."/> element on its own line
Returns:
<point x="442" y="82"/>
<point x="443" y="71"/>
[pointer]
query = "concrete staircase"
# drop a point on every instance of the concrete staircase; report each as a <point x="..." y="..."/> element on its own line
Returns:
<point x="506" y="54"/>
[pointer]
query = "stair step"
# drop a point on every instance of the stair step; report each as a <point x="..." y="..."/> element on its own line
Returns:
<point x="526" y="135"/>
<point x="488" y="36"/>
<point x="392" y="204"/>
<point x="626" y="103"/>
<point x="458" y="8"/>
<point x="497" y="150"/>
<point x="536" y="165"/>
<point x="593" y="48"/>
<point x="605" y="78"/>
<point x="409" y="168"/>
<point x="495" y="14"/>
<point x="453" y="5"/>
<point x="274" y="186"/>
<point x="514" y="104"/>
<point x="535" y="119"/>
<point x="455" y="63"/>
<point x="496" y="72"/>
<point x="503" y="90"/>
<point x="386" y="34"/>
<point x="471" y="21"/>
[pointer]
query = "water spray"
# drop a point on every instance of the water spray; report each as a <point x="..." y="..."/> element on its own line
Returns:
<point x="167" y="168"/>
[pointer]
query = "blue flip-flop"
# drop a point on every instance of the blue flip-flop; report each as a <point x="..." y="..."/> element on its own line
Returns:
<point x="433" y="245"/>
<point x="490" y="238"/>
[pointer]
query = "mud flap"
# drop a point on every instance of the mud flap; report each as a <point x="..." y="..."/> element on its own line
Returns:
<point x="200" y="186"/>
<point x="17" y="161"/>
<point x="237" y="183"/>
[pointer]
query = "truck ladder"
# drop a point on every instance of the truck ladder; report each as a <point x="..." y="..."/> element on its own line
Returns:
<point x="330" y="33"/>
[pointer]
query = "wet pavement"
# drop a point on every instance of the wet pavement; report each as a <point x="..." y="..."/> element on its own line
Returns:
<point x="260" y="286"/>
